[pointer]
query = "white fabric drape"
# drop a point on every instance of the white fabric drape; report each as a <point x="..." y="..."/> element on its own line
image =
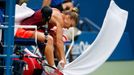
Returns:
<point x="104" y="44"/>
<point x="22" y="12"/>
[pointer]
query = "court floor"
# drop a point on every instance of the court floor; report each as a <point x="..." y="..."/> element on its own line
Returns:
<point x="116" y="68"/>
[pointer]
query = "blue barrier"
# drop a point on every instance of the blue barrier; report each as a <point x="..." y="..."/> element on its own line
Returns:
<point x="34" y="4"/>
<point x="124" y="49"/>
<point x="97" y="9"/>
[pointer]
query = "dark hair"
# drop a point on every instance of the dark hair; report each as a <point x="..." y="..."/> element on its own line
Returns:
<point x="46" y="13"/>
<point x="73" y="15"/>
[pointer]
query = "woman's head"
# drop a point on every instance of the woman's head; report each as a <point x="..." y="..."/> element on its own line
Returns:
<point x="71" y="19"/>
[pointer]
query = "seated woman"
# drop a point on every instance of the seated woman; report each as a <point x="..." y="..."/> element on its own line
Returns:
<point x="57" y="21"/>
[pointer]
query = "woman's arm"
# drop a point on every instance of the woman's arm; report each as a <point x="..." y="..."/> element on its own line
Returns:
<point x="57" y="18"/>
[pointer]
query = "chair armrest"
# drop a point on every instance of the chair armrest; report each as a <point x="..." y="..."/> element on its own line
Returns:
<point x="29" y="27"/>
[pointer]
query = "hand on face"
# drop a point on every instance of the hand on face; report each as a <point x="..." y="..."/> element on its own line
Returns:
<point x="68" y="22"/>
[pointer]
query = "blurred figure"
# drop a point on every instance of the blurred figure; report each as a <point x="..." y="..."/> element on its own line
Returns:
<point x="59" y="4"/>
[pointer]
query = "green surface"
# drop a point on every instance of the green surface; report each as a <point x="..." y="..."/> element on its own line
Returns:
<point x="115" y="68"/>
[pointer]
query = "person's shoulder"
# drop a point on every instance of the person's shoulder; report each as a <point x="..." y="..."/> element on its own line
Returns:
<point x="57" y="16"/>
<point x="56" y="10"/>
<point x="56" y="13"/>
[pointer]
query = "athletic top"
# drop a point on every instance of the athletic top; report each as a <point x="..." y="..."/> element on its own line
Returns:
<point x="36" y="19"/>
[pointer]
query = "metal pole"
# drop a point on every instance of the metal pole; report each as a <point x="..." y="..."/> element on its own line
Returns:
<point x="9" y="34"/>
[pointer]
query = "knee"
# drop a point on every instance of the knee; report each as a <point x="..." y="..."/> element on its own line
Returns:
<point x="49" y="45"/>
